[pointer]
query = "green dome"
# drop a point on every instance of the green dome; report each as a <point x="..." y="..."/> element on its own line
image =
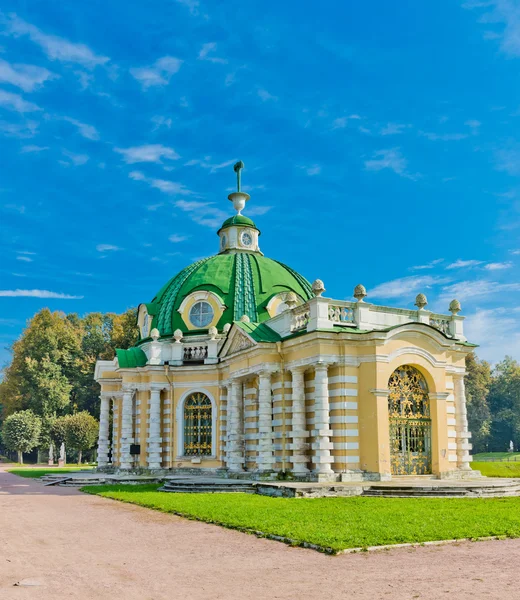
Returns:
<point x="244" y="281"/>
<point x="238" y="220"/>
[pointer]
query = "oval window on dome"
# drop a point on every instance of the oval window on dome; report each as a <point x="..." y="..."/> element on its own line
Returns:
<point x="201" y="314"/>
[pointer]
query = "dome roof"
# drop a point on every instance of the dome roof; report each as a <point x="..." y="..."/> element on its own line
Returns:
<point x="244" y="281"/>
<point x="238" y="220"/>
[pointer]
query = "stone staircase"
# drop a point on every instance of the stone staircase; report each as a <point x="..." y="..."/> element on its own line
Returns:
<point x="208" y="486"/>
<point x="497" y="489"/>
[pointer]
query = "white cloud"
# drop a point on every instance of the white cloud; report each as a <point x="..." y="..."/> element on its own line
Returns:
<point x="76" y="159"/>
<point x="516" y="252"/>
<point x="26" y="77"/>
<point x="164" y="185"/>
<point x="159" y="73"/>
<point x="257" y="210"/>
<point x="444" y="137"/>
<point x="161" y="121"/>
<point x="87" y="131"/>
<point x="265" y="96"/>
<point x="466" y="290"/>
<point x="16" y="102"/>
<point x="311" y="170"/>
<point x="208" y="49"/>
<point x="33" y="148"/>
<point x="107" y="248"/>
<point x="473" y="124"/>
<point x="429" y="265"/>
<point x="406" y="286"/>
<point x="503" y="12"/>
<point x="147" y="153"/>
<point x="206" y="164"/>
<point x="389" y="159"/>
<point x="508" y="160"/>
<point x="342" y="122"/>
<point x="462" y="264"/>
<point x="496" y="331"/>
<point x="27" y="129"/>
<point x="203" y="213"/>
<point x="193" y="5"/>
<point x="498" y="266"/>
<point x="24" y="258"/>
<point x="56" y="48"/>
<point x="176" y="238"/>
<point x="37" y="294"/>
<point x="393" y="129"/>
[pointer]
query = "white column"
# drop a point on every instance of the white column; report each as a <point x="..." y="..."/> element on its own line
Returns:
<point x="322" y="432"/>
<point x="104" y="422"/>
<point x="235" y="428"/>
<point x="115" y="430"/>
<point x="125" y="459"/>
<point x="299" y="422"/>
<point x="461" y="417"/>
<point x="222" y="423"/>
<point x="265" y="422"/>
<point x="154" y="440"/>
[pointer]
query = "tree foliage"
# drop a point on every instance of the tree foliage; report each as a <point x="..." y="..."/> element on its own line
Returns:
<point x="21" y="432"/>
<point x="52" y="369"/>
<point x="81" y="431"/>
<point x="504" y="404"/>
<point x="478" y="381"/>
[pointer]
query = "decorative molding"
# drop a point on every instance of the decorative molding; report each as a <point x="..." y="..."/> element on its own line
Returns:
<point x="380" y="392"/>
<point x="418" y="352"/>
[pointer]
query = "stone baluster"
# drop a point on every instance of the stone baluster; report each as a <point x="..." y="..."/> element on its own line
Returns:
<point x="125" y="460"/>
<point x="299" y="422"/>
<point x="322" y="432"/>
<point x="265" y="422"/>
<point x="461" y="417"/>
<point x="104" y="426"/>
<point x="235" y="455"/>
<point x="154" y="439"/>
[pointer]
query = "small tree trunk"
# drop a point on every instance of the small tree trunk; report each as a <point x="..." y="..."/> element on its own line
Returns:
<point x="79" y="457"/>
<point x="38" y="457"/>
<point x="20" y="457"/>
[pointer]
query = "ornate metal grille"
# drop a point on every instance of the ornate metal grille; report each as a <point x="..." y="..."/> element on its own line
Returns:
<point x="410" y="423"/>
<point x="197" y="425"/>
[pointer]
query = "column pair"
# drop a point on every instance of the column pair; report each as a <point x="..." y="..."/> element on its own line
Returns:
<point x="235" y="459"/>
<point x="127" y="429"/>
<point x="322" y="432"/>
<point x="104" y="428"/>
<point x="461" y="418"/>
<point x="154" y="440"/>
<point x="299" y="431"/>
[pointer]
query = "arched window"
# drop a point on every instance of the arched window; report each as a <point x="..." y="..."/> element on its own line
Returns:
<point x="197" y="425"/>
<point x="408" y="394"/>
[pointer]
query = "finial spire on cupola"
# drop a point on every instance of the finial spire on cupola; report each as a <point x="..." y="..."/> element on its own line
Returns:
<point x="239" y="233"/>
<point x="239" y="198"/>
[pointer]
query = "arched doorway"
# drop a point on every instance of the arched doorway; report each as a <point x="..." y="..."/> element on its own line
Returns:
<point x="410" y="423"/>
<point x="198" y="425"/>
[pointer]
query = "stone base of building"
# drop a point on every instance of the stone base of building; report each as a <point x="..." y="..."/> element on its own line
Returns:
<point x="461" y="474"/>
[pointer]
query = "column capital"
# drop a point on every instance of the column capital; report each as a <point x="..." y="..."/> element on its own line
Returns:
<point x="438" y="395"/>
<point x="128" y="388"/>
<point x="379" y="392"/>
<point x="158" y="387"/>
<point x="298" y="369"/>
<point x="457" y="376"/>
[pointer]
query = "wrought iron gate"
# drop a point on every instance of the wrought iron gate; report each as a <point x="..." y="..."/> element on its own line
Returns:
<point x="410" y="423"/>
<point x="197" y="425"/>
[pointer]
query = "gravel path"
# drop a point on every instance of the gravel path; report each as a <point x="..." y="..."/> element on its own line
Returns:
<point x="59" y="543"/>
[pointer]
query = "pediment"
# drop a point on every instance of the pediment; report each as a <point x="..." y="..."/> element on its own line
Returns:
<point x="237" y="341"/>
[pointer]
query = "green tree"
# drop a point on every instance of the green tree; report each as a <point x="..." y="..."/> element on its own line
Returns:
<point x="58" y="431"/>
<point x="478" y="381"/>
<point x="21" y="432"/>
<point x="504" y="404"/>
<point x="81" y="432"/>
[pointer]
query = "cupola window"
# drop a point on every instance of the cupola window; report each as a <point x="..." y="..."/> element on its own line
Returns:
<point x="201" y="314"/>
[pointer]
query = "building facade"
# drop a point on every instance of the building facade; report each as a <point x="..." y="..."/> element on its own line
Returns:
<point x="243" y="366"/>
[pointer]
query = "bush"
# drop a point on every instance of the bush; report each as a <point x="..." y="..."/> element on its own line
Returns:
<point x="81" y="432"/>
<point x="21" y="432"/>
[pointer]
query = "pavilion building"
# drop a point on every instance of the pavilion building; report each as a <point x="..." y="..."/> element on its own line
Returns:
<point x="244" y="367"/>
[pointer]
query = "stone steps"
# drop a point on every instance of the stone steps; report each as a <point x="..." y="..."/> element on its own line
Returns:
<point x="186" y="487"/>
<point x="426" y="491"/>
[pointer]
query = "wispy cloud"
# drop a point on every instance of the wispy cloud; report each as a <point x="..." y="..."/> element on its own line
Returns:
<point x="508" y="160"/>
<point x="25" y="130"/>
<point x="443" y="137"/>
<point x="56" y="48"/>
<point x="193" y="5"/>
<point x="257" y="210"/>
<point x="342" y="122"/>
<point x="394" y="129"/>
<point x="406" y="286"/>
<point x="147" y="153"/>
<point x="15" y="102"/>
<point x="161" y="122"/>
<point x="24" y="258"/>
<point x="26" y="77"/>
<point x="33" y="148"/>
<point x="516" y="252"/>
<point x="391" y="159"/>
<point x="501" y="12"/>
<point x="159" y="73"/>
<point x="207" y="164"/>
<point x="311" y="169"/>
<point x="498" y="266"/>
<point x="107" y="248"/>
<point x="474" y="125"/>
<point x="496" y="330"/>
<point x="177" y="239"/>
<point x="37" y="294"/>
<point x="464" y="264"/>
<point x="76" y="159"/>
<point x="265" y="96"/>
<point x="206" y="53"/>
<point x="429" y="265"/>
<point x="164" y="185"/>
<point x="466" y="290"/>
<point x="203" y="213"/>
<point x="87" y="131"/>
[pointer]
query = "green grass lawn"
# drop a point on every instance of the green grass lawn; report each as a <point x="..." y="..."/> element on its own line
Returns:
<point x="497" y="469"/>
<point x="335" y="523"/>
<point x="496" y="455"/>
<point x="40" y="472"/>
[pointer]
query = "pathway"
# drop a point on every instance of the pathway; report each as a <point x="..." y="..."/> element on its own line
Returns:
<point x="73" y="545"/>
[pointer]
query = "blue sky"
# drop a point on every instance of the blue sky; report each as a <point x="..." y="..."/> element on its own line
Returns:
<point x="380" y="140"/>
